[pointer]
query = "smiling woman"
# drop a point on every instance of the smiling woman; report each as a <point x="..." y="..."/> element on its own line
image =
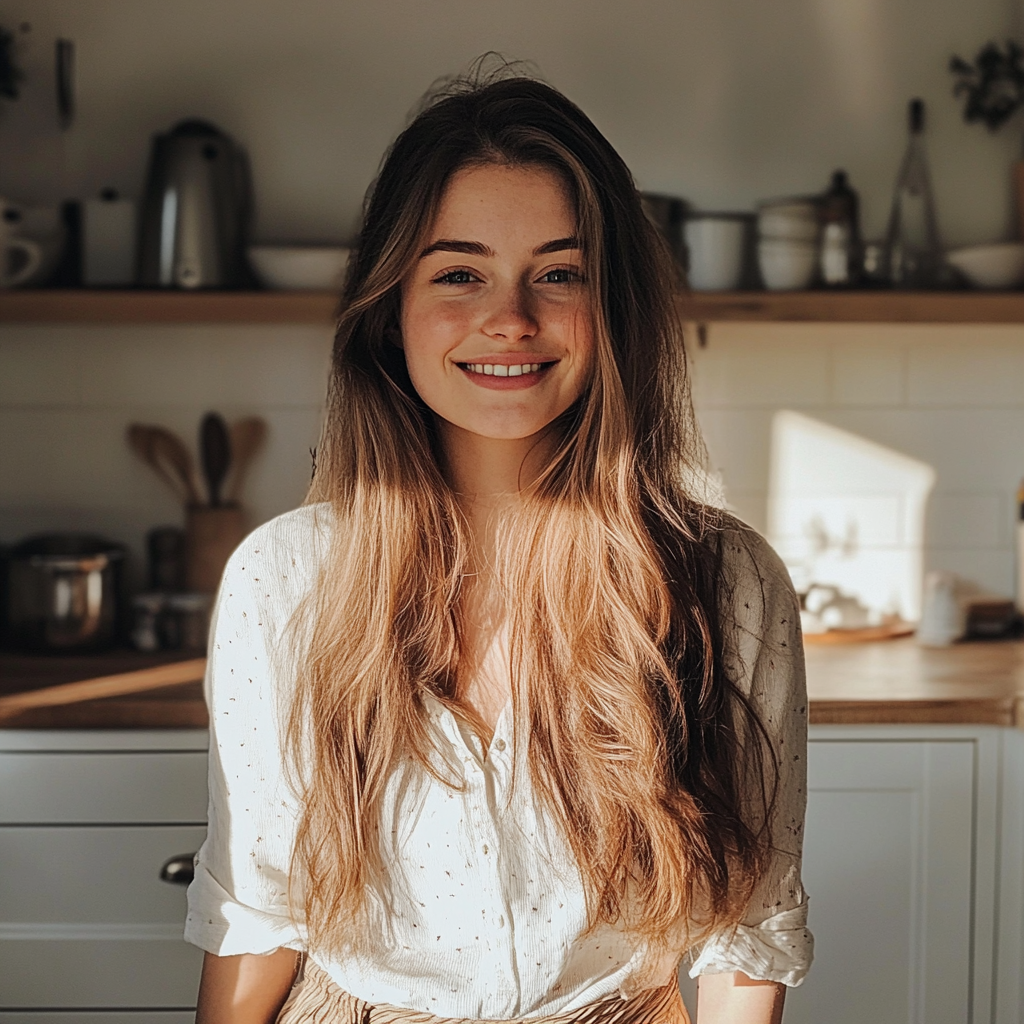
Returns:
<point x="507" y="719"/>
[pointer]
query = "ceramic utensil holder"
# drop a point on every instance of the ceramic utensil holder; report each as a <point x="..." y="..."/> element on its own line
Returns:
<point x="211" y="534"/>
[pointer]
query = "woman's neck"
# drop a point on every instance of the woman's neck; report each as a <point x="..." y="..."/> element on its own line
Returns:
<point x="491" y="470"/>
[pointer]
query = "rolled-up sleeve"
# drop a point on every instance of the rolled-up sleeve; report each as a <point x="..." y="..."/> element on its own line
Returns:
<point x="238" y="902"/>
<point x="764" y="656"/>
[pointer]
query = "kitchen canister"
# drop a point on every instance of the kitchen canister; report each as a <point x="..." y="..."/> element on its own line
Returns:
<point x="716" y="244"/>
<point x="211" y="534"/>
<point x="109" y="240"/>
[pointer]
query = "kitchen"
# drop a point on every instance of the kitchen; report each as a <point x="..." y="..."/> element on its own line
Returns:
<point x="726" y="104"/>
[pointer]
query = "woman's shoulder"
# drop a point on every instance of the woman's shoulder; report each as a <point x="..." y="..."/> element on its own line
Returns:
<point x="281" y="559"/>
<point x="748" y="560"/>
<point x="755" y="586"/>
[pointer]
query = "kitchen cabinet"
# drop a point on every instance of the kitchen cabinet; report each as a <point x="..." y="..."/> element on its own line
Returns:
<point x="914" y="861"/>
<point x="899" y="861"/>
<point x="88" y="929"/>
<point x="910" y="848"/>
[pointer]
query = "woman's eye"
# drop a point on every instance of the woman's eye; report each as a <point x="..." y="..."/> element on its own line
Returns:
<point x="561" y="275"/>
<point x="455" y="277"/>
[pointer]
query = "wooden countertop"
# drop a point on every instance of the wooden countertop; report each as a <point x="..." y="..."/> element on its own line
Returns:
<point x="978" y="682"/>
<point x="180" y="706"/>
<point x="893" y="681"/>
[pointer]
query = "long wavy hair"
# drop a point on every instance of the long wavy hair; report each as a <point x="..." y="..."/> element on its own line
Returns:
<point x="637" y="740"/>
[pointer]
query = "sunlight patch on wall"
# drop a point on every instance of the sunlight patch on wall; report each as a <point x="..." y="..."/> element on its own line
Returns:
<point x="848" y="513"/>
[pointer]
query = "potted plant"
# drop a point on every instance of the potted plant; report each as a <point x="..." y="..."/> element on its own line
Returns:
<point x="992" y="88"/>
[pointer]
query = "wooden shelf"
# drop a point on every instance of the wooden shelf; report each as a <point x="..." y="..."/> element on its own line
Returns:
<point x="85" y="306"/>
<point x="100" y="306"/>
<point x="882" y="307"/>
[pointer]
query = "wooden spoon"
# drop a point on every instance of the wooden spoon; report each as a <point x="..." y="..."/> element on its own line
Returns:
<point x="170" y="450"/>
<point x="247" y="438"/>
<point x="215" y="453"/>
<point x="165" y="453"/>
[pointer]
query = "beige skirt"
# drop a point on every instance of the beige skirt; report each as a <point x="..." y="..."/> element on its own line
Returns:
<point x="315" y="999"/>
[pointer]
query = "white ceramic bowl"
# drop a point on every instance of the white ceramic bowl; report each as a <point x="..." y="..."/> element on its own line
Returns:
<point x="298" y="267"/>
<point x="999" y="266"/>
<point x="790" y="219"/>
<point x="787" y="265"/>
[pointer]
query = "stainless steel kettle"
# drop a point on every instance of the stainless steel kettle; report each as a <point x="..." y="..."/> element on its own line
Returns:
<point x="196" y="212"/>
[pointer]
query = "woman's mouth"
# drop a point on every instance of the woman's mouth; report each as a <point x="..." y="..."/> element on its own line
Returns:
<point x="503" y="377"/>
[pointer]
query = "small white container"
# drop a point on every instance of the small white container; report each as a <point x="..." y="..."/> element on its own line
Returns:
<point x="943" y="613"/>
<point x="109" y="240"/>
<point x="714" y="245"/>
<point x="299" y="267"/>
<point x="787" y="265"/>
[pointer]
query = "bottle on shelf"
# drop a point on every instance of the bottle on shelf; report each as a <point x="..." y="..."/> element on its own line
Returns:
<point x="913" y="250"/>
<point x="840" y="234"/>
<point x="1020" y="548"/>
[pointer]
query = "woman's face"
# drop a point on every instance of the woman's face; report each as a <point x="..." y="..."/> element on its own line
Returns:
<point x="496" y="324"/>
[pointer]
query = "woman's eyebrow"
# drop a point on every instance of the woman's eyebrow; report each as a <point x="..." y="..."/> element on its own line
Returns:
<point x="479" y="249"/>
<point x="558" y="245"/>
<point x="454" y="245"/>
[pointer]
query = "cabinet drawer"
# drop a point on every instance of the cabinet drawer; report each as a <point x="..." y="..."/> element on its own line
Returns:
<point x="87" y="875"/>
<point x="84" y="974"/>
<point x="102" y="788"/>
<point x="99" y="1017"/>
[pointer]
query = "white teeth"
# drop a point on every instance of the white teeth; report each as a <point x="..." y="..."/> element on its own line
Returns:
<point x="500" y="370"/>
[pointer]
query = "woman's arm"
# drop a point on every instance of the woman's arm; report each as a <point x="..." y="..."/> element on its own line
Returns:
<point x="245" y="989"/>
<point x="736" y="999"/>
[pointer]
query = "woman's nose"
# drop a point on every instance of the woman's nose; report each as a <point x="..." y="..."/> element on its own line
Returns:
<point x="511" y="319"/>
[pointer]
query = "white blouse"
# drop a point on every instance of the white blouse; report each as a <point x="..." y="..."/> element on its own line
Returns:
<point x="489" y="909"/>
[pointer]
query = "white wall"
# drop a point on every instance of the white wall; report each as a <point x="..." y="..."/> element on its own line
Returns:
<point x="722" y="101"/>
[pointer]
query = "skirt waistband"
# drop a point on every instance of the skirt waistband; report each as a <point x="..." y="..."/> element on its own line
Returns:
<point x="316" y="999"/>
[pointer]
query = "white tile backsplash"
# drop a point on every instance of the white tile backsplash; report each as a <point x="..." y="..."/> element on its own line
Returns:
<point x="968" y="368"/>
<point x="745" y="365"/>
<point x="867" y="374"/>
<point x="949" y="395"/>
<point x="40" y="367"/>
<point x="952" y="396"/>
<point x="67" y="394"/>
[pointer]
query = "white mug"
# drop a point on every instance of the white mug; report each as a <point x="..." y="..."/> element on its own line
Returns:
<point x="714" y="245"/>
<point x="9" y="244"/>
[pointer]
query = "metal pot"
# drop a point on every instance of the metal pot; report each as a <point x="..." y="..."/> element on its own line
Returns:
<point x="63" y="593"/>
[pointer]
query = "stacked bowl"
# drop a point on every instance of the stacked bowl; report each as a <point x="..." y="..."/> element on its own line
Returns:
<point x="787" y="246"/>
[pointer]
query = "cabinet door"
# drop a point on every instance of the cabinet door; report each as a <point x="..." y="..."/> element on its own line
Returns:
<point x="888" y="865"/>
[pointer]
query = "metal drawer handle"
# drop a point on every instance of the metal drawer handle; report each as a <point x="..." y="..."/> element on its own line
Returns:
<point x="179" y="870"/>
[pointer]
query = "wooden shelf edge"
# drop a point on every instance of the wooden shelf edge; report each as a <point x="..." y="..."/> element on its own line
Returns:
<point x="86" y="306"/>
<point x="117" y="307"/>
<point x="854" y="307"/>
